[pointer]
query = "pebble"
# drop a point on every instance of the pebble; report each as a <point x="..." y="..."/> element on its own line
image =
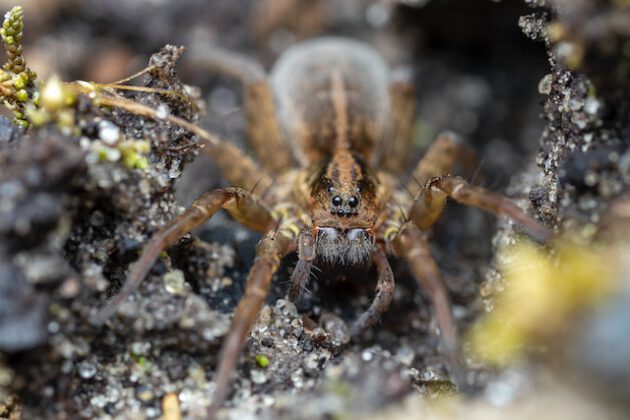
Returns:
<point x="258" y="376"/>
<point x="87" y="369"/>
<point x="174" y="283"/>
<point x="108" y="132"/>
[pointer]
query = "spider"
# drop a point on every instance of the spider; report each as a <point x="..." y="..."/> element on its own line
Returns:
<point x="332" y="127"/>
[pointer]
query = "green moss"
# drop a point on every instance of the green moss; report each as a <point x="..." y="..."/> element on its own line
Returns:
<point x="140" y="360"/>
<point x="22" y="95"/>
<point x="16" y="78"/>
<point x="133" y="154"/>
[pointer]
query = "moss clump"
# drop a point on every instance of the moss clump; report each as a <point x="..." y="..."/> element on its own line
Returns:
<point x="17" y="87"/>
<point x="133" y="154"/>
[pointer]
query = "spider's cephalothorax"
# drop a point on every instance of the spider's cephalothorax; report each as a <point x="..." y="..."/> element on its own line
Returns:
<point x="332" y="128"/>
<point x="343" y="210"/>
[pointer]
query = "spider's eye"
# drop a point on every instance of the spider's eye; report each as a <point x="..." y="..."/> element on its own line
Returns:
<point x="353" y="201"/>
<point x="330" y="189"/>
<point x="336" y="201"/>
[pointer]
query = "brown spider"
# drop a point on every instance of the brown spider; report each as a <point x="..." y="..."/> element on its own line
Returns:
<point x="333" y="128"/>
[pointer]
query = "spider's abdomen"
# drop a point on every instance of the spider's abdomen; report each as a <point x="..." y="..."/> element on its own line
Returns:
<point x="331" y="93"/>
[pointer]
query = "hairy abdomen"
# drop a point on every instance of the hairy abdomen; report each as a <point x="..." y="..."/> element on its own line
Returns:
<point x="331" y="93"/>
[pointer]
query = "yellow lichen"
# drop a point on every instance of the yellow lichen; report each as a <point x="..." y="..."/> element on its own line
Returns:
<point x="542" y="294"/>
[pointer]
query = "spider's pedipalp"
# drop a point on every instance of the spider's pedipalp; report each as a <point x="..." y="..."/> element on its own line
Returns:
<point x="302" y="272"/>
<point x="384" y="293"/>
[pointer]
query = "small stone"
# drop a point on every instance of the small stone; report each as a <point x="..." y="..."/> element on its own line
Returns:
<point x="174" y="283"/>
<point x="144" y="394"/>
<point x="87" y="369"/>
<point x="175" y="171"/>
<point x="311" y="363"/>
<point x="297" y="378"/>
<point x="405" y="355"/>
<point x="591" y="106"/>
<point x="162" y="112"/>
<point x="140" y="347"/>
<point x="98" y="401"/>
<point x="111" y="154"/>
<point x="544" y="87"/>
<point x="590" y="178"/>
<point x="286" y="308"/>
<point x="108" y="132"/>
<point x="258" y="376"/>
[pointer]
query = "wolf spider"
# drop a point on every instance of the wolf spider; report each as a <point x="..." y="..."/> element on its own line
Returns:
<point x="333" y="128"/>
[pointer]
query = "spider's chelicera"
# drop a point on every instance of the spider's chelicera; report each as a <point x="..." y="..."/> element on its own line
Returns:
<point x="332" y="130"/>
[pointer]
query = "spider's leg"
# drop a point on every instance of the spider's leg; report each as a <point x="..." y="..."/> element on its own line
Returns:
<point x="302" y="271"/>
<point x="260" y="110"/>
<point x="393" y="153"/>
<point x="236" y="167"/>
<point x="384" y="293"/>
<point x="411" y="243"/>
<point x="303" y="18"/>
<point x="446" y="152"/>
<point x="427" y="208"/>
<point x="269" y="251"/>
<point x="242" y="205"/>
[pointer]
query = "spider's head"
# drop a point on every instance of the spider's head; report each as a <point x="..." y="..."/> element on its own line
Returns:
<point x="343" y="211"/>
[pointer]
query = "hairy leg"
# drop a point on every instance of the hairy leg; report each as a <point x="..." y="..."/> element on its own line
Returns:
<point x="428" y="207"/>
<point x="384" y="293"/>
<point x="395" y="149"/>
<point x="263" y="125"/>
<point x="411" y="244"/>
<point x="270" y="250"/>
<point x="443" y="155"/>
<point x="243" y="206"/>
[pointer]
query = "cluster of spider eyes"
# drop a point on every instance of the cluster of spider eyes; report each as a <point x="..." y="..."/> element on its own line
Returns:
<point x="343" y="207"/>
<point x="352" y="201"/>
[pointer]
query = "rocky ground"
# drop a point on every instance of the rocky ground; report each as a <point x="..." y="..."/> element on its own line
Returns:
<point x="538" y="89"/>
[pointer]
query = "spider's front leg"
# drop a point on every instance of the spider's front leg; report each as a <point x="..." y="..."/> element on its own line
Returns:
<point x="269" y="251"/>
<point x="428" y="207"/>
<point x="242" y="205"/>
<point x="446" y="152"/>
<point x="411" y="244"/>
